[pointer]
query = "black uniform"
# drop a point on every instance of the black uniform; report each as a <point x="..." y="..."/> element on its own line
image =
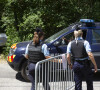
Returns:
<point x="81" y="65"/>
<point x="35" y="54"/>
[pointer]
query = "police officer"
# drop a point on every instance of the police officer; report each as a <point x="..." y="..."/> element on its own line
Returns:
<point x="80" y="51"/>
<point x="35" y="52"/>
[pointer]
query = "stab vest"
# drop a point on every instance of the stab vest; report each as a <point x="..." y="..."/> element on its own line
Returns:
<point x="35" y="53"/>
<point x="78" y="50"/>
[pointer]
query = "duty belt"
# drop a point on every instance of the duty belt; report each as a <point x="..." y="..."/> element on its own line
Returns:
<point x="81" y="59"/>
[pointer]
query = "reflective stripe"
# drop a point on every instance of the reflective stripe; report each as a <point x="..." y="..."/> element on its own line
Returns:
<point x="11" y="58"/>
<point x="8" y="58"/>
<point x="14" y="46"/>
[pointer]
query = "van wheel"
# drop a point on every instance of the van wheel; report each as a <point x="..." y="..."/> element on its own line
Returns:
<point x="24" y="71"/>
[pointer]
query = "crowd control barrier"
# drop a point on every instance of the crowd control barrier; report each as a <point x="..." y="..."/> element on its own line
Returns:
<point x="54" y="74"/>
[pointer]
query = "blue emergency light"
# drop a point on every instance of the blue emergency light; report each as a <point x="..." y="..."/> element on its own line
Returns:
<point x="86" y="20"/>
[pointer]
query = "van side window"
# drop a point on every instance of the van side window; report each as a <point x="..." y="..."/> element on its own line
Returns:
<point x="84" y="34"/>
<point x="69" y="37"/>
<point x="96" y="36"/>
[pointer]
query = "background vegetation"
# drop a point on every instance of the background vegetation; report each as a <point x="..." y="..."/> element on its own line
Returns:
<point x="19" y="18"/>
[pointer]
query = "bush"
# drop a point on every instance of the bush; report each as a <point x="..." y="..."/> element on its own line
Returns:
<point x="24" y="31"/>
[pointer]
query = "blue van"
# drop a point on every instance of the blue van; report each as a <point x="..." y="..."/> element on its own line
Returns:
<point x="57" y="44"/>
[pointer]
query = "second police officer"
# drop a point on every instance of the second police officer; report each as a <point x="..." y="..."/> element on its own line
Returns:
<point x="35" y="52"/>
<point x="80" y="50"/>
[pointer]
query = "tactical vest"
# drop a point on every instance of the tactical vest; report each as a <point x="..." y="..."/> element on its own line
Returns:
<point x="35" y="53"/>
<point x="78" y="50"/>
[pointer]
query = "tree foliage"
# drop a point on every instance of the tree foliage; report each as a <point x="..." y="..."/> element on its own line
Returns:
<point x="19" y="18"/>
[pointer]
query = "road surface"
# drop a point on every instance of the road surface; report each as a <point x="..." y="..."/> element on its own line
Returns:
<point x="11" y="80"/>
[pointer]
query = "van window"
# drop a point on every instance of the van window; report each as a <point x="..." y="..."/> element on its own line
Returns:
<point x="56" y="35"/>
<point x="96" y="36"/>
<point x="69" y="37"/>
<point x="66" y="39"/>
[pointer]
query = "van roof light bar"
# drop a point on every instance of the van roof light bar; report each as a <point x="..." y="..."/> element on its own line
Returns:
<point x="86" y="20"/>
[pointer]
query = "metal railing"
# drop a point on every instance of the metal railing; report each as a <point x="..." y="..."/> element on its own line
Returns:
<point x="54" y="74"/>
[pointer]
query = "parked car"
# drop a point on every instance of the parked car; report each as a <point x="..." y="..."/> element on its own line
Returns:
<point x="3" y="39"/>
<point x="57" y="44"/>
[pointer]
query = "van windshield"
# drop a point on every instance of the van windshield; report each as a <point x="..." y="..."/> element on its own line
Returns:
<point x="56" y="35"/>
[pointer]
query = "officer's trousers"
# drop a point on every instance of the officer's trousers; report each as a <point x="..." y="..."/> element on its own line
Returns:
<point x="82" y="69"/>
<point x="31" y="68"/>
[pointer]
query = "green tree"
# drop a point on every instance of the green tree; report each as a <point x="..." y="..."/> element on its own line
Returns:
<point x="20" y="17"/>
<point x="2" y="5"/>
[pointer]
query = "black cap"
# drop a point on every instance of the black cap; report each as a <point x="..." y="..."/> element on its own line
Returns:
<point x="77" y="28"/>
<point x="38" y="30"/>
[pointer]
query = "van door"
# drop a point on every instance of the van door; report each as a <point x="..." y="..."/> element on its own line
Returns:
<point x="95" y="45"/>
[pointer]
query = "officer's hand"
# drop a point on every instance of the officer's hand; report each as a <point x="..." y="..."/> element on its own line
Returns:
<point x="71" y="66"/>
<point x="95" y="68"/>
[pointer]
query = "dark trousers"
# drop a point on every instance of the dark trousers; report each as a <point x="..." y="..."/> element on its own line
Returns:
<point x="82" y="69"/>
<point x="31" y="68"/>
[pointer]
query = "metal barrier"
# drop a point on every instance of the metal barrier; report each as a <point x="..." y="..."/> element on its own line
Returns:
<point x="50" y="74"/>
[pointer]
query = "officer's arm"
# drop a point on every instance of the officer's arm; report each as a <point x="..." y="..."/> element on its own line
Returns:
<point x="45" y="51"/>
<point x="91" y="56"/>
<point x="69" y="53"/>
<point x="47" y="57"/>
<point x="47" y="54"/>
<point x="69" y="58"/>
<point x="26" y="56"/>
<point x="26" y="52"/>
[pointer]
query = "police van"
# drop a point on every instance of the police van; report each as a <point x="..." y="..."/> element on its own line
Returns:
<point x="57" y="44"/>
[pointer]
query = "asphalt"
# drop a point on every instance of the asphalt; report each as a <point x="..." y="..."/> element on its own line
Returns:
<point x="96" y="85"/>
<point x="11" y="80"/>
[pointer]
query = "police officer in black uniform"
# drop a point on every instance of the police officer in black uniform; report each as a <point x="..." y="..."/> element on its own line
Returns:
<point x="80" y="51"/>
<point x="35" y="52"/>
